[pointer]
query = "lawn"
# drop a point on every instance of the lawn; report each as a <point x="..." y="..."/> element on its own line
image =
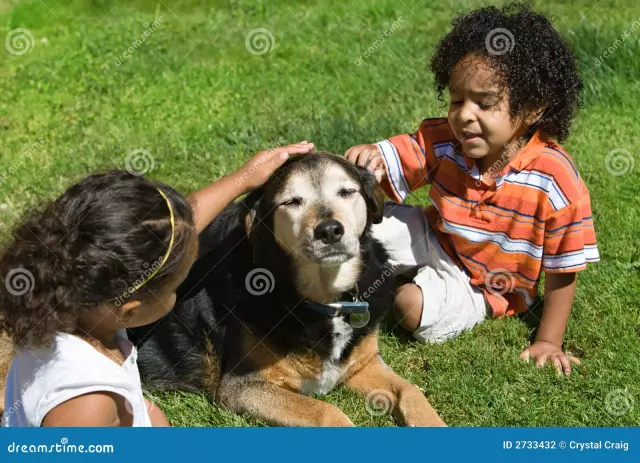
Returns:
<point x="182" y="88"/>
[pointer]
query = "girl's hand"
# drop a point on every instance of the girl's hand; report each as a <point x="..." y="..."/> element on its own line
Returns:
<point x="542" y="352"/>
<point x="368" y="156"/>
<point x="255" y="172"/>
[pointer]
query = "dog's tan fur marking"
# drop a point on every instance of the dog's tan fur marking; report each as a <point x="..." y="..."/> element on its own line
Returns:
<point x="284" y="371"/>
<point x="368" y="373"/>
<point x="282" y="407"/>
<point x="212" y="369"/>
<point x="273" y="395"/>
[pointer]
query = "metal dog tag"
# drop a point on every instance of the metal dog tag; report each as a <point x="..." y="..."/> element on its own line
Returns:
<point x="359" y="320"/>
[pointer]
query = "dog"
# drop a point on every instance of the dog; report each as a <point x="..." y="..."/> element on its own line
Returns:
<point x="285" y="301"/>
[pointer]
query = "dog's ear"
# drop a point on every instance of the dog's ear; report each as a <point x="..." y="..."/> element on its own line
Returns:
<point x="252" y="204"/>
<point x="373" y="194"/>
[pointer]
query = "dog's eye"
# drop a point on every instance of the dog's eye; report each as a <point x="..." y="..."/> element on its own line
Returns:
<point x="293" y="202"/>
<point x="346" y="192"/>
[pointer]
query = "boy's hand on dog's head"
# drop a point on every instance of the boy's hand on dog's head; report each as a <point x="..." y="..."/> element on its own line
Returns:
<point x="368" y="156"/>
<point x="257" y="170"/>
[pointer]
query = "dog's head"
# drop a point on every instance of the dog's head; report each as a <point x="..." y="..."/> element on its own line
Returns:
<point x="318" y="207"/>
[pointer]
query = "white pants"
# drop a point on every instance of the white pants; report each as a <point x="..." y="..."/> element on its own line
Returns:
<point x="450" y="303"/>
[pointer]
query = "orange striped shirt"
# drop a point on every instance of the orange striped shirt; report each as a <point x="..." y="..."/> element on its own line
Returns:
<point x="535" y="216"/>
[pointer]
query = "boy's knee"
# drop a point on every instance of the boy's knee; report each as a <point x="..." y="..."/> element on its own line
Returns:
<point x="408" y="306"/>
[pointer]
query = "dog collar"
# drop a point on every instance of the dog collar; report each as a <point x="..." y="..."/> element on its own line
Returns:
<point x="340" y="308"/>
<point x="335" y="309"/>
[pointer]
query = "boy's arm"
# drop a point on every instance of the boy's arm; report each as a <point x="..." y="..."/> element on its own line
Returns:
<point x="208" y="202"/>
<point x="559" y="291"/>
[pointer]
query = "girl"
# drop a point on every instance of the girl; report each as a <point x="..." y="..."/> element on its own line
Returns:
<point x="107" y="255"/>
<point x="507" y="201"/>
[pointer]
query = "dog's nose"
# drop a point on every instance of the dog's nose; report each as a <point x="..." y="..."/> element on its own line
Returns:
<point x="329" y="232"/>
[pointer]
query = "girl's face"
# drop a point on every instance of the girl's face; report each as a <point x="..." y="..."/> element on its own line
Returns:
<point x="479" y="110"/>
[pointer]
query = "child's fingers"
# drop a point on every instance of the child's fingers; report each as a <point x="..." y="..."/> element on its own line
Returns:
<point x="375" y="163"/>
<point x="566" y="364"/>
<point x="353" y="153"/>
<point x="557" y="363"/>
<point x="298" y="148"/>
<point x="363" y="158"/>
<point x="573" y="359"/>
<point x="349" y="153"/>
<point x="281" y="154"/>
<point x="541" y="360"/>
<point x="525" y="355"/>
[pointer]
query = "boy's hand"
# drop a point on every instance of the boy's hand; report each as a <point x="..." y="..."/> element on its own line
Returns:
<point x="368" y="156"/>
<point x="255" y="172"/>
<point x="542" y="352"/>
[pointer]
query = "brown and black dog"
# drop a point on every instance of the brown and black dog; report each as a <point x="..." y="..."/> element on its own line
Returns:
<point x="253" y="326"/>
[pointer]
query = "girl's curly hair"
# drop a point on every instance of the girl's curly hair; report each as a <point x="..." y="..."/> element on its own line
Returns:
<point x="531" y="61"/>
<point x="89" y="245"/>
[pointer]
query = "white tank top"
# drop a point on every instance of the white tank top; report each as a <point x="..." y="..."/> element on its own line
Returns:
<point x="41" y="379"/>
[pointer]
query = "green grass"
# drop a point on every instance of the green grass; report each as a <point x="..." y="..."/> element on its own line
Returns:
<point x="200" y="103"/>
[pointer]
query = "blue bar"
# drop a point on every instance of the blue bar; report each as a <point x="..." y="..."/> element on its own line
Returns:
<point x="305" y="445"/>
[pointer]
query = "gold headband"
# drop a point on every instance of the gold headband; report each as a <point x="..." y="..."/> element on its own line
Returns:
<point x="164" y="259"/>
<point x="166" y="256"/>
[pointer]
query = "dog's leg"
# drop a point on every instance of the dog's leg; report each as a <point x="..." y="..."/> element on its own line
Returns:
<point x="385" y="389"/>
<point x="276" y="405"/>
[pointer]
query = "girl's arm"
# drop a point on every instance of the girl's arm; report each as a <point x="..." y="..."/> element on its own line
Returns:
<point x="89" y="410"/>
<point x="157" y="416"/>
<point x="208" y="202"/>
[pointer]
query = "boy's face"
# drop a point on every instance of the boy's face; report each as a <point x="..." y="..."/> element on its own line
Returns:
<point x="479" y="112"/>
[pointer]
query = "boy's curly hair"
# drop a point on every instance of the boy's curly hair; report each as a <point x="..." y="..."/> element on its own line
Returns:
<point x="88" y="246"/>
<point x="531" y="61"/>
